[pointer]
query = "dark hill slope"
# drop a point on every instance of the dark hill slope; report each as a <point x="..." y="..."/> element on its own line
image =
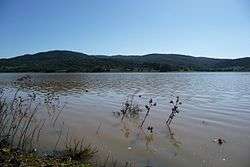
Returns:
<point x="68" y="61"/>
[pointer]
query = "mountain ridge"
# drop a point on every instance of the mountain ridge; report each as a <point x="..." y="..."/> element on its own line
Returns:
<point x="71" y="61"/>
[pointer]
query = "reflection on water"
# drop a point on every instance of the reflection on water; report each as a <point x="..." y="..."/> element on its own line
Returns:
<point x="214" y="105"/>
<point x="172" y="138"/>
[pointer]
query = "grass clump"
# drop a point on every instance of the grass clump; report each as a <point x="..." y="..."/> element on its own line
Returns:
<point x="79" y="151"/>
<point x="21" y="125"/>
<point x="10" y="156"/>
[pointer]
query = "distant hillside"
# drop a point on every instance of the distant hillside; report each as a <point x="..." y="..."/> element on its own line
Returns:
<point x="68" y="61"/>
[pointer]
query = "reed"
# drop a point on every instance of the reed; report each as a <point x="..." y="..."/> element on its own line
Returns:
<point x="21" y="126"/>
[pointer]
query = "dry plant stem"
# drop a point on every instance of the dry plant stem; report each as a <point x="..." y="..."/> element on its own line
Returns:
<point x="168" y="122"/>
<point x="58" y="139"/>
<point x="57" y="116"/>
<point x="39" y="131"/>
<point x="16" y="130"/>
<point x="122" y="117"/>
<point x="105" y="163"/>
<point x="174" y="111"/>
<point x="25" y="129"/>
<point x="97" y="131"/>
<point x="2" y="110"/>
<point x="81" y="145"/>
<point x="11" y="112"/>
<point x="4" y="126"/>
<point x="69" y="143"/>
<point x="26" y="135"/>
<point x="76" y="144"/>
<point x="170" y="131"/>
<point x="148" y="107"/>
<point x="125" y="111"/>
<point x="145" y="117"/>
<point x="13" y="101"/>
<point x="3" y="119"/>
<point x="54" y="122"/>
<point x="33" y="134"/>
<point x="67" y="139"/>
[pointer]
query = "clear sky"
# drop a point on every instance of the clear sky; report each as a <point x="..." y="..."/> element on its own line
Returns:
<point x="211" y="28"/>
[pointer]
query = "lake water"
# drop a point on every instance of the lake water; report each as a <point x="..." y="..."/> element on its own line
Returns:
<point x="214" y="105"/>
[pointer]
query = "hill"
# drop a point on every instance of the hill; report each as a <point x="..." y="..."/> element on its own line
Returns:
<point x="68" y="61"/>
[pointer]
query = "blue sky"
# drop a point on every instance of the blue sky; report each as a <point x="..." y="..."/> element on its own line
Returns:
<point x="212" y="28"/>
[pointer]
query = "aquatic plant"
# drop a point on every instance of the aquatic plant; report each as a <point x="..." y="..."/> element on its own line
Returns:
<point x="79" y="151"/>
<point x="175" y="110"/>
<point x="148" y="108"/>
<point x="22" y="120"/>
<point x="130" y="108"/>
<point x="18" y="122"/>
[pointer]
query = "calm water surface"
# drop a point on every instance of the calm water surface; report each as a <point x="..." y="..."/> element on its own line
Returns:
<point x="214" y="105"/>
